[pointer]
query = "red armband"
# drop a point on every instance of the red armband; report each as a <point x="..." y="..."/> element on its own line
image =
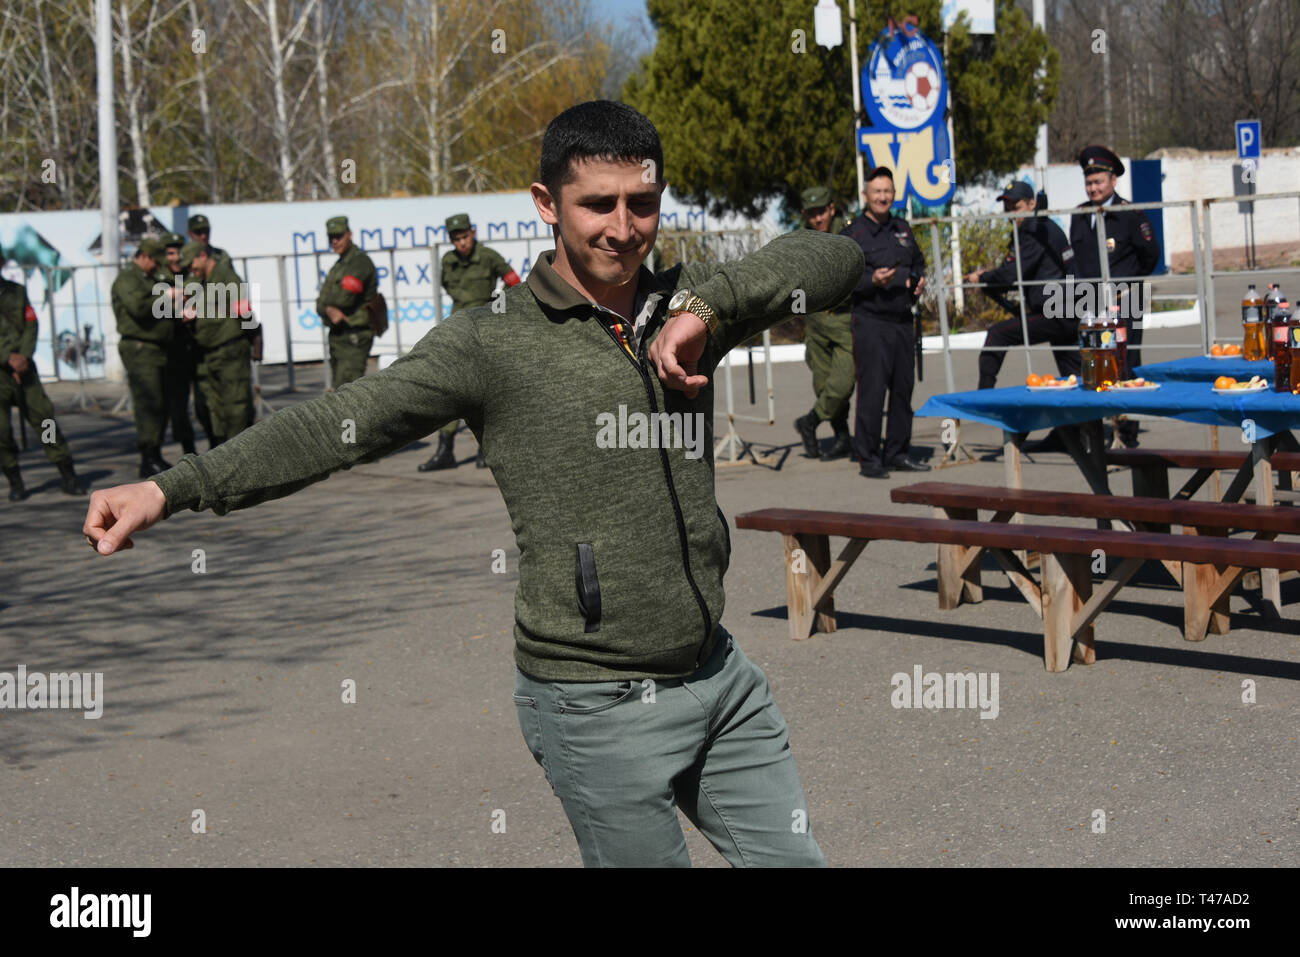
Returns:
<point x="352" y="284"/>
<point x="511" y="278"/>
<point x="30" y="314"/>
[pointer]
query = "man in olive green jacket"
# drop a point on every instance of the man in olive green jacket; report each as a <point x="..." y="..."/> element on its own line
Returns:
<point x="592" y="394"/>
<point x="349" y="287"/>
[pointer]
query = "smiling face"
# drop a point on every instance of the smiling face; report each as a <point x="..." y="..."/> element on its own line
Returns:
<point x="607" y="218"/>
<point x="820" y="218"/>
<point x="1100" y="187"/>
<point x="879" y="195"/>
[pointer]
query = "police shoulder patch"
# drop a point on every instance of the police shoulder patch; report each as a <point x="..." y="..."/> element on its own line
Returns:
<point x="1145" y="229"/>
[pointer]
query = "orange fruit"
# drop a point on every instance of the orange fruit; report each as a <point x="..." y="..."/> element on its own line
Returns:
<point x="1033" y="381"/>
<point x="1048" y="379"/>
<point x="1224" y="382"/>
<point x="1216" y="350"/>
<point x="1232" y="349"/>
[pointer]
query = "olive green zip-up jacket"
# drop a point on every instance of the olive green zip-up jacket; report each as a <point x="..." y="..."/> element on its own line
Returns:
<point x="622" y="548"/>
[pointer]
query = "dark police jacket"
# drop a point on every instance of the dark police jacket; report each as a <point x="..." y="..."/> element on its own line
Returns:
<point x="1045" y="254"/>
<point x="1130" y="239"/>
<point x="890" y="243"/>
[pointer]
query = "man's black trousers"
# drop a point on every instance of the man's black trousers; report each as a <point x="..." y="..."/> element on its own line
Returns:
<point x="1059" y="332"/>
<point x="883" y="353"/>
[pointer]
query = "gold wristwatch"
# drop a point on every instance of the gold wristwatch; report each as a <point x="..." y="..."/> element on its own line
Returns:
<point x="686" y="301"/>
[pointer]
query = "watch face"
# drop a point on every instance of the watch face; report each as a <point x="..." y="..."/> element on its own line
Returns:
<point x="679" y="299"/>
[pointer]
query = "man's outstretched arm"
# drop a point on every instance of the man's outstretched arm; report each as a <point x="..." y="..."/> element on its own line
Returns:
<point x="438" y="381"/>
<point x="804" y="270"/>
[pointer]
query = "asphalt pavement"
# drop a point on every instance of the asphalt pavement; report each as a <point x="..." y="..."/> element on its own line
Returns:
<point x="223" y="691"/>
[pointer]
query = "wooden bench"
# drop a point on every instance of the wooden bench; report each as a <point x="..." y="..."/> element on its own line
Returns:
<point x="1065" y="599"/>
<point x="959" y="566"/>
<point x="1151" y="467"/>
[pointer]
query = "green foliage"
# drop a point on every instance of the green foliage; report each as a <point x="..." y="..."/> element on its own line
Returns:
<point x="746" y="119"/>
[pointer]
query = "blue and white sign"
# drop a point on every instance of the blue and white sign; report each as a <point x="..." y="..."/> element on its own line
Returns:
<point x="1248" y="139"/>
<point x="906" y="93"/>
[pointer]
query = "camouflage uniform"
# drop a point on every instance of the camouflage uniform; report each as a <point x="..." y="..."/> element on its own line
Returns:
<point x="349" y="341"/>
<point x="470" y="281"/>
<point x="146" y="326"/>
<point x="18" y="328"/>
<point x="225" y="353"/>
<point x="828" y="350"/>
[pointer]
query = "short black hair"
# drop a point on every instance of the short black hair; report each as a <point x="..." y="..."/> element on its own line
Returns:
<point x="601" y="130"/>
<point x="878" y="172"/>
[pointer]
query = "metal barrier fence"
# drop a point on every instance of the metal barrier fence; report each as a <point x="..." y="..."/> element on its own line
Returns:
<point x="1200" y="231"/>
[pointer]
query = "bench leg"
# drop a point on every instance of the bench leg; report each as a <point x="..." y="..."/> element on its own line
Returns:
<point x="1205" y="599"/>
<point x="807" y="559"/>
<point x="1151" y="481"/>
<point x="959" y="566"/>
<point x="1067" y="586"/>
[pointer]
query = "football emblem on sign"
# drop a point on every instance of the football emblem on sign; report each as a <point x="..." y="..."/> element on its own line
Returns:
<point x="922" y="86"/>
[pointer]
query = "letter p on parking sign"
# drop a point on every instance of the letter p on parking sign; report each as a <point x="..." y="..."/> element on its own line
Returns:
<point x="1248" y="143"/>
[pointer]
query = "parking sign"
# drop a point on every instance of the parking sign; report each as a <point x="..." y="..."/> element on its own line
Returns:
<point x="1248" y="139"/>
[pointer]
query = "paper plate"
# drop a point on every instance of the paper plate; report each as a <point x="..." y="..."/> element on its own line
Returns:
<point x="1051" y="388"/>
<point x="1209" y="356"/>
<point x="1261" y="388"/>
<point x="1149" y="387"/>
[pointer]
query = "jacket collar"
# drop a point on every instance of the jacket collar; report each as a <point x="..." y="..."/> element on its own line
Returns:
<point x="553" y="291"/>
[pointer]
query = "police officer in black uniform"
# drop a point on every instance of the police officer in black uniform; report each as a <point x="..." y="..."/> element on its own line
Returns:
<point x="1045" y="254"/>
<point x="1131" y="248"/>
<point x="884" y="341"/>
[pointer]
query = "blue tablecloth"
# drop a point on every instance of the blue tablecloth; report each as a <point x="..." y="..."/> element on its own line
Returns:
<point x="1204" y="369"/>
<point x="1018" y="410"/>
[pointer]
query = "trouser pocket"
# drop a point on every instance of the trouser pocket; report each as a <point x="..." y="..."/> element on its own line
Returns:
<point x="530" y="723"/>
<point x="588" y="586"/>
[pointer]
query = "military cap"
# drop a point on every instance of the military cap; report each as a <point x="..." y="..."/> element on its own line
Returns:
<point x="173" y="239"/>
<point x="189" y="251"/>
<point x="336" y="225"/>
<point x="1098" y="159"/>
<point x="457" y="223"/>
<point x="153" y="248"/>
<point x="1018" y="190"/>
<point x="815" y="197"/>
<point x="197" y="222"/>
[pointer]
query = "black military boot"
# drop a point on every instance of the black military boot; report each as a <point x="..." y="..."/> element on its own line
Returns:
<point x="806" y="426"/>
<point x="444" y="458"/>
<point x="17" y="491"/>
<point x="843" y="440"/>
<point x="188" y="448"/>
<point x="68" y="480"/>
<point x="151" y="462"/>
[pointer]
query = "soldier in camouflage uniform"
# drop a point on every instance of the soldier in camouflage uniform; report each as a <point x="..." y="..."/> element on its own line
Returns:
<point x="146" y="324"/>
<point x="828" y="346"/>
<point x="215" y="302"/>
<point x="200" y="231"/>
<point x="349" y="287"/>
<point x="469" y="274"/>
<point x="21" y="386"/>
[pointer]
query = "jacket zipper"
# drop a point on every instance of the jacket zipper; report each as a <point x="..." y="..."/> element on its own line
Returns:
<point x="668" y="477"/>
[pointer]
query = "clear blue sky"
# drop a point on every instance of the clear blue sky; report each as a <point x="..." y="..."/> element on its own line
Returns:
<point x="621" y="11"/>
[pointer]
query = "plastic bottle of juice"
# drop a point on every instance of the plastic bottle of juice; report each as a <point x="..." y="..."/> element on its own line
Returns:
<point x="1253" y="344"/>
<point x="1121" y="345"/>
<point x="1105" y="352"/>
<point x="1089" y="337"/>
<point x="1290" y="374"/>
